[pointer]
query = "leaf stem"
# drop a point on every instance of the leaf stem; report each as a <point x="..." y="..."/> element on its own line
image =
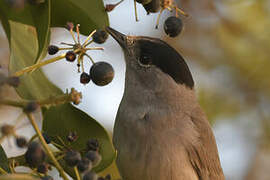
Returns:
<point x="38" y="65"/>
<point x="46" y="147"/>
<point x="74" y="96"/>
<point x="77" y="173"/>
<point x="87" y="39"/>
<point x="2" y="171"/>
<point x="8" y="102"/>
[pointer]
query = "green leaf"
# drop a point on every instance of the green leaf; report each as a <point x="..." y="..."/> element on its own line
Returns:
<point x="37" y="16"/>
<point x="3" y="160"/>
<point x="24" y="48"/>
<point x="90" y="14"/>
<point x="17" y="176"/>
<point x="72" y="119"/>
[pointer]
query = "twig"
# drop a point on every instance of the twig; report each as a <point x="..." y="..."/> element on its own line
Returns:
<point x="46" y="147"/>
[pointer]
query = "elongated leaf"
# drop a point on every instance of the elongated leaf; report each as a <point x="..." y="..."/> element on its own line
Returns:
<point x="37" y="16"/>
<point x="3" y="160"/>
<point x="90" y="14"/>
<point x="24" y="48"/>
<point x="72" y="119"/>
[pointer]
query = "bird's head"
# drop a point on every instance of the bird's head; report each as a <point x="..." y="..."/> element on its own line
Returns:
<point x="147" y="55"/>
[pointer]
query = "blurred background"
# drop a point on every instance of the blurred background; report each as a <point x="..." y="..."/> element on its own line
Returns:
<point x="226" y="45"/>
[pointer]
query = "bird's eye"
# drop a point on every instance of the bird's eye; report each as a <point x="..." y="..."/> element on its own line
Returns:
<point x="145" y="60"/>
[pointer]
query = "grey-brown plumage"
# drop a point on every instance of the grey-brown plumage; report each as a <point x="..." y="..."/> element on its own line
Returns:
<point x="160" y="131"/>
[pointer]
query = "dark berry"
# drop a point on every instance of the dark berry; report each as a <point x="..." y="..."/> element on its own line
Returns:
<point x="13" y="81"/>
<point x="34" y="155"/>
<point x="102" y="73"/>
<point x="90" y="176"/>
<point x="108" y="177"/>
<point x="84" y="165"/>
<point x="72" y="158"/>
<point x="85" y="78"/>
<point x="47" y="178"/>
<point x="173" y="26"/>
<point x="72" y="136"/>
<point x="70" y="56"/>
<point x="69" y="26"/>
<point x="92" y="144"/>
<point x="47" y="138"/>
<point x="94" y="157"/>
<point x="31" y="107"/>
<point x="21" y="142"/>
<point x="43" y="168"/>
<point x="7" y="130"/>
<point x="52" y="49"/>
<point x="152" y="7"/>
<point x="100" y="36"/>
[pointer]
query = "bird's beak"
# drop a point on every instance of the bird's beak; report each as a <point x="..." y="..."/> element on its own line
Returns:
<point x="119" y="37"/>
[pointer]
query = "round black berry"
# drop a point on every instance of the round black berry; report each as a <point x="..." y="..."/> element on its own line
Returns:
<point x="102" y="73"/>
<point x="92" y="144"/>
<point x="43" y="168"/>
<point x="70" y="56"/>
<point x="94" y="157"/>
<point x="52" y="49"/>
<point x="85" y="78"/>
<point x="152" y="7"/>
<point x="13" y="81"/>
<point x="84" y="165"/>
<point x="72" y="158"/>
<point x="31" y="107"/>
<point x="34" y="155"/>
<point x="100" y="36"/>
<point x="21" y="142"/>
<point x="47" y="178"/>
<point x="90" y="176"/>
<point x="173" y="26"/>
<point x="108" y="177"/>
<point x="72" y="136"/>
<point x="47" y="138"/>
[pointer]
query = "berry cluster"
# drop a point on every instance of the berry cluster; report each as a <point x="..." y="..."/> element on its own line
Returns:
<point x="172" y="26"/>
<point x="85" y="163"/>
<point x="101" y="73"/>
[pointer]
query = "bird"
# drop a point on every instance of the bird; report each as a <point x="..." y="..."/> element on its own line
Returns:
<point x="160" y="130"/>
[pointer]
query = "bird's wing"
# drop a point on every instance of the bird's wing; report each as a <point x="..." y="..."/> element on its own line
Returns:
<point x="203" y="154"/>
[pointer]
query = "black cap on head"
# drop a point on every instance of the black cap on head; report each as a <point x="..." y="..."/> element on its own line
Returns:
<point x="161" y="55"/>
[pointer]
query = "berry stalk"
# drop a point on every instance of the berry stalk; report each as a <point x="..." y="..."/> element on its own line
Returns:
<point x="2" y="171"/>
<point x="46" y="147"/>
<point x="77" y="173"/>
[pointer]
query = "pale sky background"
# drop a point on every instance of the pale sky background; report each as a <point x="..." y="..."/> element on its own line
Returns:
<point x="101" y="103"/>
